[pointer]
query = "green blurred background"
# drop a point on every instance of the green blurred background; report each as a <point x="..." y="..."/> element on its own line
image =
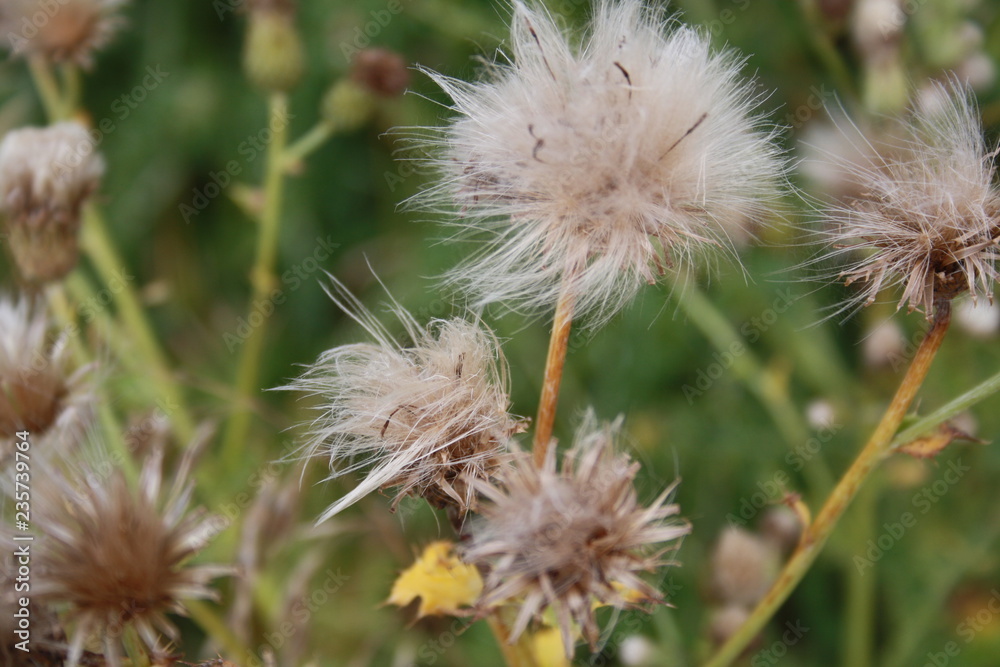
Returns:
<point x="723" y="443"/>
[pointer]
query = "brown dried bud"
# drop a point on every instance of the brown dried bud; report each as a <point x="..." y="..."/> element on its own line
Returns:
<point x="46" y="175"/>
<point x="381" y="72"/>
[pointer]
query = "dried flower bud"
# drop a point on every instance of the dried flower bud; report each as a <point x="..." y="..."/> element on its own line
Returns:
<point x="347" y="105"/>
<point x="430" y="418"/>
<point x="725" y="622"/>
<point x="929" y="219"/>
<point x="381" y="72"/>
<point x="63" y="31"/>
<point x="273" y="56"/>
<point x="572" y="538"/>
<point x="781" y="526"/>
<point x="743" y="566"/>
<point x="46" y="175"/>
<point x="116" y="555"/>
<point x="39" y="392"/>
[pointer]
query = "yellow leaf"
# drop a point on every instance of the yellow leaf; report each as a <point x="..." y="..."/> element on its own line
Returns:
<point x="547" y="648"/>
<point x="440" y="579"/>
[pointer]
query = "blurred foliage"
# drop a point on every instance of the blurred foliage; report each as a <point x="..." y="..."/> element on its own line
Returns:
<point x="165" y="148"/>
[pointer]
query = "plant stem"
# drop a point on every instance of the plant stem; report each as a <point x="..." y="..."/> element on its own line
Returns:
<point x="924" y="425"/>
<point x="48" y="89"/>
<point x="817" y="533"/>
<point x="110" y="267"/>
<point x="307" y="143"/>
<point x="562" y="323"/>
<point x="217" y="629"/>
<point x="860" y="614"/>
<point x="262" y="280"/>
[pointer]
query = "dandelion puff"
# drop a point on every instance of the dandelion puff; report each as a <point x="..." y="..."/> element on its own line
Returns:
<point x="66" y="31"/>
<point x="428" y="418"/>
<point x="928" y="220"/>
<point x="46" y="175"/>
<point x="568" y="539"/>
<point x="40" y="392"/>
<point x="116" y="555"/>
<point x="594" y="168"/>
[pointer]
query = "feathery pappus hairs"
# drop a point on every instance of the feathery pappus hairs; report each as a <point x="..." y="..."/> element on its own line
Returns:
<point x="928" y="221"/>
<point x="116" y="554"/>
<point x="39" y="391"/>
<point x="428" y="418"/>
<point x="46" y="175"/>
<point x="69" y="31"/>
<point x="596" y="167"/>
<point x="572" y="537"/>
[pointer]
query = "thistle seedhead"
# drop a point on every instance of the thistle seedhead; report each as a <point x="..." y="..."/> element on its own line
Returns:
<point x="46" y="175"/>
<point x="928" y="221"/>
<point x="428" y="418"/>
<point x="116" y="555"/>
<point x="596" y="167"/>
<point x="65" y="31"/>
<point x="568" y="539"/>
<point x="39" y="390"/>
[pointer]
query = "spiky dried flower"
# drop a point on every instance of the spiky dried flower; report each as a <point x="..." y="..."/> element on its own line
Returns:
<point x="928" y="221"/>
<point x="429" y="418"/>
<point x="65" y="31"/>
<point x="117" y="554"/>
<point x="572" y="537"/>
<point x="40" y="392"/>
<point x="46" y="175"/>
<point x="593" y="168"/>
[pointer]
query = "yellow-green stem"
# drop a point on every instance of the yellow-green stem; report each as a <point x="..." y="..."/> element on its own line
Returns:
<point x="62" y="310"/>
<point x="262" y="280"/>
<point x="859" y="617"/>
<point x="217" y="629"/>
<point x="306" y="144"/>
<point x="48" y="89"/>
<point x="562" y="324"/>
<point x="817" y="533"/>
<point x="110" y="267"/>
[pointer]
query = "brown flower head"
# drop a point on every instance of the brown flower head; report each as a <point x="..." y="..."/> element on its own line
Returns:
<point x="39" y="392"/>
<point x="429" y="418"/>
<point x="928" y="221"/>
<point x="46" y="175"/>
<point x="64" y="31"/>
<point x="573" y="537"/>
<point x="116" y="555"/>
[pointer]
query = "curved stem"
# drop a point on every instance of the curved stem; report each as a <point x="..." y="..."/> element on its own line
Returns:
<point x="262" y="279"/>
<point x="306" y="144"/>
<point x="817" y="533"/>
<point x="112" y="271"/>
<point x="562" y="324"/>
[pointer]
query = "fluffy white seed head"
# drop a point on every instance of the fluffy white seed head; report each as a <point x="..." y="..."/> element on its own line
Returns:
<point x="428" y="417"/>
<point x="928" y="219"/>
<point x="46" y="175"/>
<point x="569" y="538"/>
<point x="596" y="166"/>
